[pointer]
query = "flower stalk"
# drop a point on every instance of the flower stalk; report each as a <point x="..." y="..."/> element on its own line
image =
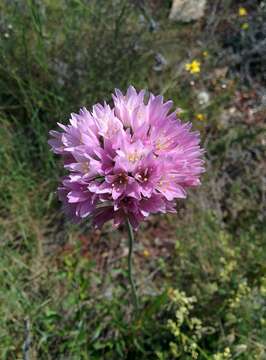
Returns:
<point x="130" y="275"/>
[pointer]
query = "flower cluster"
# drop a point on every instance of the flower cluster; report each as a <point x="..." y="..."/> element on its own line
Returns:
<point x="126" y="161"/>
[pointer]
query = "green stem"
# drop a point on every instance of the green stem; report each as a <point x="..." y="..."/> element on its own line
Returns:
<point x="129" y="259"/>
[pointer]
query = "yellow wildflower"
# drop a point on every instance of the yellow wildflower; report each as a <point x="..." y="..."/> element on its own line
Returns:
<point x="146" y="253"/>
<point x="242" y="11"/>
<point x="200" y="117"/>
<point x="245" y="26"/>
<point x="170" y="293"/>
<point x="193" y="67"/>
<point x="205" y="54"/>
<point x="227" y="353"/>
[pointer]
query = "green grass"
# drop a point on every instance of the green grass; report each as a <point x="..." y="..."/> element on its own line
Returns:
<point x="201" y="275"/>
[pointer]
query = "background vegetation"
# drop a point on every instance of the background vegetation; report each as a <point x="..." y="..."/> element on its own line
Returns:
<point x="201" y="275"/>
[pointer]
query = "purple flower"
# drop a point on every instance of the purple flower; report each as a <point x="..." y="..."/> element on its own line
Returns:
<point x="127" y="161"/>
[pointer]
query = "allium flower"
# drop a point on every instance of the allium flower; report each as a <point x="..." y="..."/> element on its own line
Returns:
<point x="126" y="161"/>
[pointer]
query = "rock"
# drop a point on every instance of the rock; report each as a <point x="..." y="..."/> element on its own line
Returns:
<point x="187" y="10"/>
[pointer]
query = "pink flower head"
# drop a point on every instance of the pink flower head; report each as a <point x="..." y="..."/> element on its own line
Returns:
<point x="126" y="161"/>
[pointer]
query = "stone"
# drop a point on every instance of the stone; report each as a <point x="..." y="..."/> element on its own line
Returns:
<point x="187" y="10"/>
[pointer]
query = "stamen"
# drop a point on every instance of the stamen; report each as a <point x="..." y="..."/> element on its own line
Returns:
<point x="85" y="166"/>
